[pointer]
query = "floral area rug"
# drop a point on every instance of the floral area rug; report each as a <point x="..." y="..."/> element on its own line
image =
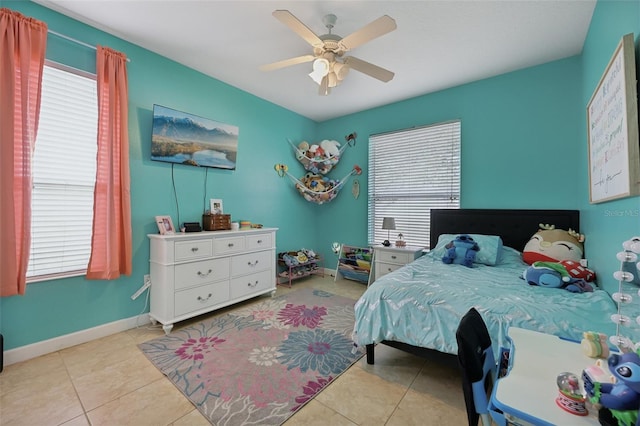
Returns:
<point x="262" y="362"/>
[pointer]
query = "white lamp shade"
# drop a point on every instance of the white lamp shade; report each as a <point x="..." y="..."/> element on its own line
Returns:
<point x="388" y="223"/>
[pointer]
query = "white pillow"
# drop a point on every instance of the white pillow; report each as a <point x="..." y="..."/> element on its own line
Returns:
<point x="490" y="252"/>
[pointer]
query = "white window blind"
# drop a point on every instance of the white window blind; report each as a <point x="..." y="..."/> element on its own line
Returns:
<point x="64" y="170"/>
<point x="410" y="172"/>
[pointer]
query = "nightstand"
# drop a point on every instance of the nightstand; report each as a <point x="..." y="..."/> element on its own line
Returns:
<point x="388" y="259"/>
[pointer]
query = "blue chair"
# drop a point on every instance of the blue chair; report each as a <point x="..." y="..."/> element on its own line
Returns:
<point x="478" y="365"/>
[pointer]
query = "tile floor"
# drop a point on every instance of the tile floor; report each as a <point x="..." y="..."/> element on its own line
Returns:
<point x="110" y="382"/>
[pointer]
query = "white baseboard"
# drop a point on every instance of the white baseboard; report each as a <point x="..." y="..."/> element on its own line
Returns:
<point x="44" y="347"/>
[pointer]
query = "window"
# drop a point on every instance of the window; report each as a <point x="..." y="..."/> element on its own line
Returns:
<point x="410" y="172"/>
<point x="64" y="170"/>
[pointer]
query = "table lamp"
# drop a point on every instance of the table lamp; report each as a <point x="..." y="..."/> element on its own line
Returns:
<point x="389" y="224"/>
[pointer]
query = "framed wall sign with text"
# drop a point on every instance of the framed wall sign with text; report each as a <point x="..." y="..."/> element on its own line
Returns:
<point x="612" y="129"/>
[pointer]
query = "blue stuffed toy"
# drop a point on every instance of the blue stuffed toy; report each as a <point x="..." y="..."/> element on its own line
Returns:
<point x="554" y="275"/>
<point x="462" y="250"/>
<point x="623" y="396"/>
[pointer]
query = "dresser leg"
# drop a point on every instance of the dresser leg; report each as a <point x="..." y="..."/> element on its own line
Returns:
<point x="167" y="328"/>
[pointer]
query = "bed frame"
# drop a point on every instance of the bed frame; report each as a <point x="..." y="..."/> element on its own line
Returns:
<point x="514" y="226"/>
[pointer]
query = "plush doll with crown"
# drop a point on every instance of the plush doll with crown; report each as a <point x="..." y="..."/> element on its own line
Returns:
<point x="553" y="245"/>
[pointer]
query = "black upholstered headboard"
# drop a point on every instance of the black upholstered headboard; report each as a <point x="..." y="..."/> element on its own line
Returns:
<point x="514" y="226"/>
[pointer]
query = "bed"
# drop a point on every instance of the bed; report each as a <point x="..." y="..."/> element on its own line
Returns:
<point x="418" y="307"/>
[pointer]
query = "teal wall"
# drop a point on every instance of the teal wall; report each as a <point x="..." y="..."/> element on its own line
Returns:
<point x="253" y="191"/>
<point x="523" y="146"/>
<point x="606" y="225"/>
<point x="518" y="142"/>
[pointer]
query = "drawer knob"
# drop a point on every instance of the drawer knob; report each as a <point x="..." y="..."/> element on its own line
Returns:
<point x="194" y="249"/>
<point x="205" y="274"/>
<point x="393" y="256"/>
<point x="253" y="285"/>
<point x="204" y="299"/>
<point x="252" y="263"/>
<point x="230" y="245"/>
<point x="259" y="241"/>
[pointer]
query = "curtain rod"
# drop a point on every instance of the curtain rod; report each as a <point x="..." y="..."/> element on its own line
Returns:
<point x="82" y="43"/>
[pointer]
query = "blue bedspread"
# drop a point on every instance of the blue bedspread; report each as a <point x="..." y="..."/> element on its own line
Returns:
<point x="422" y="303"/>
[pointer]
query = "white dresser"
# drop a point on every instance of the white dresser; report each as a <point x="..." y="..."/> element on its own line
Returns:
<point x="195" y="273"/>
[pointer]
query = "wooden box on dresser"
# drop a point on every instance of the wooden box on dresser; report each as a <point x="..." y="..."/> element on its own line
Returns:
<point x="198" y="272"/>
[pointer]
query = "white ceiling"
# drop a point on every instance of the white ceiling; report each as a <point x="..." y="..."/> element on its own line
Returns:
<point x="437" y="45"/>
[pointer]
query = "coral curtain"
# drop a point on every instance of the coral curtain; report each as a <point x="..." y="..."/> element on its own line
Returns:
<point x="111" y="247"/>
<point x="23" y="42"/>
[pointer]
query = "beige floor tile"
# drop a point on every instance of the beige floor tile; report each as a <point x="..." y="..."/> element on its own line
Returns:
<point x="362" y="397"/>
<point x="145" y="333"/>
<point x="47" y="399"/>
<point x="158" y="403"/>
<point x="78" y="421"/>
<point x="317" y="414"/>
<point x="393" y="365"/>
<point x="442" y="381"/>
<point x="97" y="354"/>
<point x="425" y="410"/>
<point x="115" y="380"/>
<point x="193" y="418"/>
<point x="21" y="374"/>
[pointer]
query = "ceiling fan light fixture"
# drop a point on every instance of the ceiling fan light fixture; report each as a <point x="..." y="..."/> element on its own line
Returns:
<point x="341" y="70"/>
<point x="320" y="69"/>
<point x="332" y="79"/>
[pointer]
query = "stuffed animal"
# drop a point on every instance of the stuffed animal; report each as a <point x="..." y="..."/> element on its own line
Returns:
<point x="623" y="396"/>
<point x="554" y="275"/>
<point x="462" y="250"/>
<point x="331" y="148"/>
<point x="553" y="245"/>
<point x="576" y="270"/>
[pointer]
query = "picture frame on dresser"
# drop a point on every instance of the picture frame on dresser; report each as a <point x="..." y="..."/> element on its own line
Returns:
<point x="165" y="225"/>
<point x="215" y="204"/>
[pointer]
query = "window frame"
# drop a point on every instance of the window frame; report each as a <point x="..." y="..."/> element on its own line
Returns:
<point x="394" y="188"/>
<point x="38" y="183"/>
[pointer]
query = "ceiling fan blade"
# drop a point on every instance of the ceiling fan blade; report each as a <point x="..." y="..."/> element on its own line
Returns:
<point x="377" y="28"/>
<point x="369" y="69"/>
<point x="287" y="62"/>
<point x="324" y="89"/>
<point x="298" y="27"/>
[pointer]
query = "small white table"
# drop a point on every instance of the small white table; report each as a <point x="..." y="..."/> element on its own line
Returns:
<point x="388" y="259"/>
<point x="529" y="390"/>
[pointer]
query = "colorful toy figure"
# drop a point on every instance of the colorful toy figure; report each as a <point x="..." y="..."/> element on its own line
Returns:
<point x="553" y="245"/>
<point x="462" y="250"/>
<point x="623" y="397"/>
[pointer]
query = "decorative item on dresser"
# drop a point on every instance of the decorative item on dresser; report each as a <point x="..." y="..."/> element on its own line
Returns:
<point x="192" y="274"/>
<point x="388" y="259"/>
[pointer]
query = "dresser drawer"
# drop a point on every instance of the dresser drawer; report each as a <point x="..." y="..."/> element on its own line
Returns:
<point x="197" y="298"/>
<point x="385" y="268"/>
<point x="197" y="273"/>
<point x="259" y="241"/>
<point x="252" y="262"/>
<point x="394" y="257"/>
<point x="253" y="283"/>
<point x="228" y="245"/>
<point x="194" y="249"/>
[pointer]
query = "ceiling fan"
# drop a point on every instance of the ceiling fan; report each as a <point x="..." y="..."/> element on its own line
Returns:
<point x="330" y="66"/>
